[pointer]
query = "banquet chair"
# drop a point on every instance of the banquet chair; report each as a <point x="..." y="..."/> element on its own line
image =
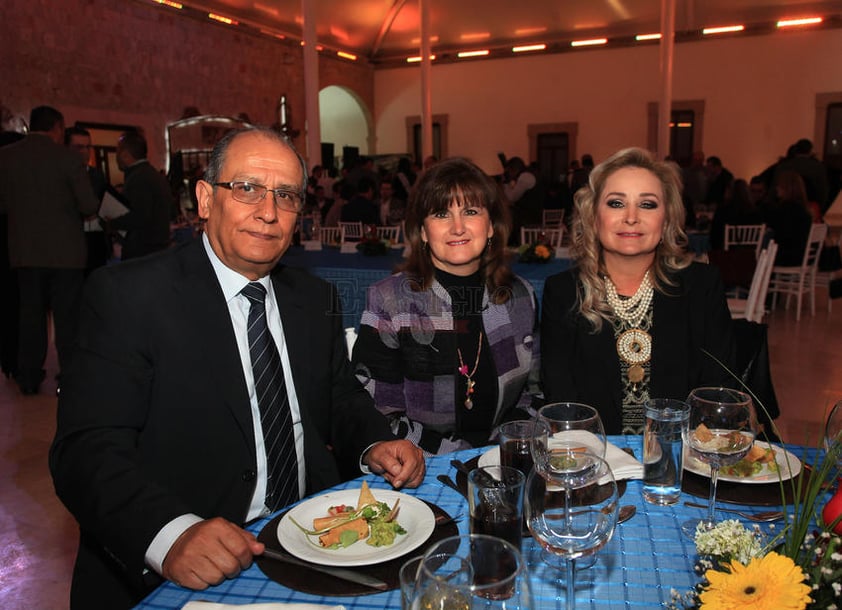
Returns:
<point x="745" y="235"/>
<point x="351" y="231"/>
<point x="532" y="235"/>
<point x="753" y="307"/>
<point x="552" y="218"/>
<point x="824" y="278"/>
<point x="799" y="280"/>
<point x="392" y="234"/>
<point x="330" y="236"/>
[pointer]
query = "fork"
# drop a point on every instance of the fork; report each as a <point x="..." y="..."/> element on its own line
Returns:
<point x="762" y="517"/>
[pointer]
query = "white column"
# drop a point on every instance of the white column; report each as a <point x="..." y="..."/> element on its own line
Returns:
<point x="312" y="125"/>
<point x="666" y="53"/>
<point x="426" y="72"/>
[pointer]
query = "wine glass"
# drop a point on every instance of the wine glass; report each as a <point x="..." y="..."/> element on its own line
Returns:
<point x="470" y="572"/>
<point x="720" y="433"/>
<point x="563" y="427"/>
<point x="572" y="515"/>
<point x="833" y="446"/>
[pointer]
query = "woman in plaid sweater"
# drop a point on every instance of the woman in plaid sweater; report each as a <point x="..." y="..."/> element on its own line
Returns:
<point x="446" y="346"/>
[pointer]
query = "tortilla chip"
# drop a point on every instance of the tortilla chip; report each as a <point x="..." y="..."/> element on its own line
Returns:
<point x="359" y="525"/>
<point x="366" y="497"/>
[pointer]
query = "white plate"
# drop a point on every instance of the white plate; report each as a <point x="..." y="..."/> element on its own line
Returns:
<point x="415" y="517"/>
<point x="788" y="466"/>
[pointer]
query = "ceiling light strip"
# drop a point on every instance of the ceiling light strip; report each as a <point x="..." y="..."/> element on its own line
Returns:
<point x="529" y="47"/>
<point x="170" y="4"/>
<point x="723" y="29"/>
<point x="789" y="23"/>
<point x="417" y="58"/>
<point x="643" y="37"/>
<point x="222" y="19"/>
<point x="345" y="55"/>
<point x="479" y="53"/>
<point x="588" y="43"/>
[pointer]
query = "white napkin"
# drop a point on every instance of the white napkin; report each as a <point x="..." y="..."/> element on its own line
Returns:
<point x="623" y="465"/>
<point x="265" y="606"/>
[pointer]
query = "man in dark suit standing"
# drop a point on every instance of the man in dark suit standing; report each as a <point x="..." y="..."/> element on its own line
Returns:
<point x="160" y="452"/>
<point x="149" y="198"/>
<point x="45" y="193"/>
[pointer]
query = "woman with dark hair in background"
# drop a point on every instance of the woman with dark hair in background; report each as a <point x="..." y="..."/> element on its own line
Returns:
<point x="790" y="219"/>
<point x="446" y="345"/>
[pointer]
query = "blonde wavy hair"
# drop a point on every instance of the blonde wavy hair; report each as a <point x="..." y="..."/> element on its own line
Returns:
<point x="670" y="254"/>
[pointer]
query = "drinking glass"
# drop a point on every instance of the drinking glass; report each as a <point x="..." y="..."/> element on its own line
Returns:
<point x="561" y="428"/>
<point x="720" y="433"/>
<point x="572" y="515"/>
<point x="471" y="572"/>
<point x="833" y="445"/>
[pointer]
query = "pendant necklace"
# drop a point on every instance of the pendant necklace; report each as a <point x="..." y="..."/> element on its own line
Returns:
<point x="463" y="370"/>
<point x="634" y="345"/>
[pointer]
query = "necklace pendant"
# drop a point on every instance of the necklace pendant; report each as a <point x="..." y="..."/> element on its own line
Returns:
<point x="469" y="404"/>
<point x="635" y="373"/>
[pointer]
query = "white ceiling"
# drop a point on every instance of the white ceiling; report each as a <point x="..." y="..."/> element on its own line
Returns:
<point x="383" y="31"/>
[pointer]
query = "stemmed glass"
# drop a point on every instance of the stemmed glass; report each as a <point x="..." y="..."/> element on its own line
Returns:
<point x="573" y="513"/>
<point x="720" y="433"/>
<point x="470" y="572"/>
<point x="833" y="446"/>
<point x="563" y="427"/>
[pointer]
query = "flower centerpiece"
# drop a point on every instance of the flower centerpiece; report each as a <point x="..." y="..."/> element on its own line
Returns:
<point x="371" y="244"/>
<point x="796" y="568"/>
<point x="538" y="252"/>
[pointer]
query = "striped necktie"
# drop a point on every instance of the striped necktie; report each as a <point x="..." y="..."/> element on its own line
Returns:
<point x="273" y="402"/>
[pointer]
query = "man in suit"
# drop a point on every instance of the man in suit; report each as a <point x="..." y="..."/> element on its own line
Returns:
<point x="160" y="452"/>
<point x="79" y="139"/>
<point x="45" y="193"/>
<point x="149" y="198"/>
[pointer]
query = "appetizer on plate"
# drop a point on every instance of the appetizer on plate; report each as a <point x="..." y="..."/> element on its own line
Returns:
<point x="372" y="521"/>
<point x="753" y="463"/>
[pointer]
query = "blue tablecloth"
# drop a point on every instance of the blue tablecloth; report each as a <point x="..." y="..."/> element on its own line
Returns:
<point x="353" y="273"/>
<point x="647" y="557"/>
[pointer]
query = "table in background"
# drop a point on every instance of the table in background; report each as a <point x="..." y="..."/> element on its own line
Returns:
<point x="647" y="557"/>
<point x="353" y="273"/>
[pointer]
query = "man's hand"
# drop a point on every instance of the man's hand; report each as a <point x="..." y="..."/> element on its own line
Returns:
<point x="400" y="462"/>
<point x="209" y="552"/>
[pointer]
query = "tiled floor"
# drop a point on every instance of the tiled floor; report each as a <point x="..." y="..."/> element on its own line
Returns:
<point x="38" y="537"/>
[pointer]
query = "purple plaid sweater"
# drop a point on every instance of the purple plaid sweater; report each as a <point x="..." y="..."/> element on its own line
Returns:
<point x="405" y="355"/>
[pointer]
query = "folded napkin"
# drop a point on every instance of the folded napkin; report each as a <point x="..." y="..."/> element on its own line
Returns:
<point x="623" y="465"/>
<point x="264" y="606"/>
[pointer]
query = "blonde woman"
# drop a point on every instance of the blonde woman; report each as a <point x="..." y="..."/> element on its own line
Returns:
<point x="634" y="317"/>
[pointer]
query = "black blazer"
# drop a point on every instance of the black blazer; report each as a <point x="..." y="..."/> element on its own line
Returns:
<point x="579" y="366"/>
<point x="154" y="419"/>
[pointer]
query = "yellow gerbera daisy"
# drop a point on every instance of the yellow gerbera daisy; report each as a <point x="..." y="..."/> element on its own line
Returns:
<point x="772" y="582"/>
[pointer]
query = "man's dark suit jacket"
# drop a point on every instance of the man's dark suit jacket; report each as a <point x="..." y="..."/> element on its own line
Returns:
<point x="45" y="192"/>
<point x="151" y="204"/>
<point x="154" y="419"/>
<point x="578" y="366"/>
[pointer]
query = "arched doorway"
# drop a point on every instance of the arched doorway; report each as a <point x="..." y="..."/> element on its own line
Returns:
<point x="345" y="125"/>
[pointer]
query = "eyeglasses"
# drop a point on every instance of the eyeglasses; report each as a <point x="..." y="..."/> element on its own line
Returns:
<point x="251" y="194"/>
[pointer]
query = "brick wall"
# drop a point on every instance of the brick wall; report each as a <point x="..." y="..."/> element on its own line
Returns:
<point x="137" y="63"/>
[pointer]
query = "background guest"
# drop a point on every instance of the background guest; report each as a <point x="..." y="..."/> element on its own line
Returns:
<point x="634" y="317"/>
<point x="149" y="197"/>
<point x="99" y="243"/>
<point x="445" y="346"/>
<point x="45" y="193"/>
<point x="790" y="219"/>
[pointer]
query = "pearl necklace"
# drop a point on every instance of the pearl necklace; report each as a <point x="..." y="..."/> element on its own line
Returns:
<point x="634" y="345"/>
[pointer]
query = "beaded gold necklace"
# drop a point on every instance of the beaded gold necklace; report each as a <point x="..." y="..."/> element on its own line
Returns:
<point x="634" y="345"/>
